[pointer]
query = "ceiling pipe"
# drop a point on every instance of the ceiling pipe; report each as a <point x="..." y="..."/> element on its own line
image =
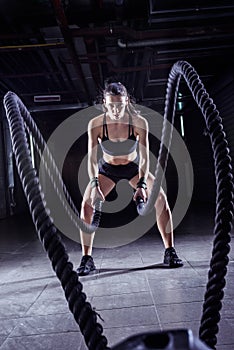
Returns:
<point x="115" y="31"/>
<point x="195" y="50"/>
<point x="68" y="39"/>
<point x="193" y="9"/>
<point x="32" y="46"/>
<point x="171" y="41"/>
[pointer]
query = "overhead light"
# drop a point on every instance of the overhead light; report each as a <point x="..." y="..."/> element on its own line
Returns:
<point x="47" y="98"/>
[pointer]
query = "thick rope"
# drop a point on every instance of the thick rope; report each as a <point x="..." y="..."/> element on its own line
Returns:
<point x="224" y="189"/>
<point x="224" y="205"/>
<point x="82" y="310"/>
<point x="168" y="121"/>
<point x="12" y="101"/>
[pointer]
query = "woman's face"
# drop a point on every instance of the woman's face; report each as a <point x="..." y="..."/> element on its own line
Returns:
<point x="115" y="106"/>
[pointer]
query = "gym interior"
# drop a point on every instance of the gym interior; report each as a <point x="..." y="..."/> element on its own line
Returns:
<point x="55" y="58"/>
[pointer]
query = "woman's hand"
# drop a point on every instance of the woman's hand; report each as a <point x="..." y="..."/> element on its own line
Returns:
<point x="140" y="192"/>
<point x="96" y="194"/>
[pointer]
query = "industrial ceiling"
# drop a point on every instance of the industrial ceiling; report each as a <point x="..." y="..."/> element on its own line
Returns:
<point x="58" y="54"/>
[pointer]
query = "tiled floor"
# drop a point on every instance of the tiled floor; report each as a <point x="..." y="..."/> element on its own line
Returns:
<point x="130" y="290"/>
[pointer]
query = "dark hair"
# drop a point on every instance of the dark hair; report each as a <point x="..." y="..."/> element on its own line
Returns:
<point x="118" y="89"/>
<point x="115" y="89"/>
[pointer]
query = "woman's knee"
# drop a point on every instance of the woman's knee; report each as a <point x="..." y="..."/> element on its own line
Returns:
<point x="86" y="211"/>
<point x="161" y="202"/>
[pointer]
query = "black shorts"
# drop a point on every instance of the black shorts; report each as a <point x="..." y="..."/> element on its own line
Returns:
<point x="118" y="172"/>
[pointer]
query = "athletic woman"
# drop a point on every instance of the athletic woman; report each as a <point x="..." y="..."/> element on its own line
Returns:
<point x="122" y="134"/>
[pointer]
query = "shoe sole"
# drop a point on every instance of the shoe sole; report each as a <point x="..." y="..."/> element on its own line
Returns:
<point x="173" y="266"/>
<point x="82" y="273"/>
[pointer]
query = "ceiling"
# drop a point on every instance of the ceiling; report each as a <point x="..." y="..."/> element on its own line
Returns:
<point x="65" y="50"/>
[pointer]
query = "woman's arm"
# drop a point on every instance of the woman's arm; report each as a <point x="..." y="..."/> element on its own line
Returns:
<point x="93" y="134"/>
<point x="142" y="131"/>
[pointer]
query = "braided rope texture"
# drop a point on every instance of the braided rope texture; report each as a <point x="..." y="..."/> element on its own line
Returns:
<point x="224" y="204"/>
<point x="52" y="170"/>
<point x="166" y="137"/>
<point x="224" y="189"/>
<point x="82" y="310"/>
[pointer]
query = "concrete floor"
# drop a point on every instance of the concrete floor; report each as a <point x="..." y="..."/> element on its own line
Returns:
<point x="130" y="295"/>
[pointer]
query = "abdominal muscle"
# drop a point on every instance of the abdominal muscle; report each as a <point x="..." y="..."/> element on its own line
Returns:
<point x="120" y="160"/>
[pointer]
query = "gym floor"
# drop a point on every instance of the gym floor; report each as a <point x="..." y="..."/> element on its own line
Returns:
<point x="130" y="289"/>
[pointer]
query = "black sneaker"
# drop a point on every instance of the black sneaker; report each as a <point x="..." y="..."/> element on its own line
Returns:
<point x="171" y="258"/>
<point x="86" y="265"/>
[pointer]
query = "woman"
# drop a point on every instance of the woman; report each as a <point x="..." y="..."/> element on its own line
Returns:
<point x="123" y="136"/>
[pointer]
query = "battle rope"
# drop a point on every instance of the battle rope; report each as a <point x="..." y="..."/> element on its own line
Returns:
<point x="224" y="198"/>
<point x="12" y="101"/>
<point x="224" y="190"/>
<point x="82" y="310"/>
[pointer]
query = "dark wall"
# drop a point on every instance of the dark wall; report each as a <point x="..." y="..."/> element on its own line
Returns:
<point x="223" y="95"/>
<point x="13" y="200"/>
<point x="198" y="141"/>
<point x="200" y="151"/>
<point x="3" y="204"/>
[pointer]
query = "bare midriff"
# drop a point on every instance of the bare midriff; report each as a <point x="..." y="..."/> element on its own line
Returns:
<point x="120" y="160"/>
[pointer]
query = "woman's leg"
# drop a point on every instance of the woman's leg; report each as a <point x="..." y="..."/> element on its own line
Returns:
<point x="163" y="212"/>
<point x="163" y="219"/>
<point x="106" y="185"/>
